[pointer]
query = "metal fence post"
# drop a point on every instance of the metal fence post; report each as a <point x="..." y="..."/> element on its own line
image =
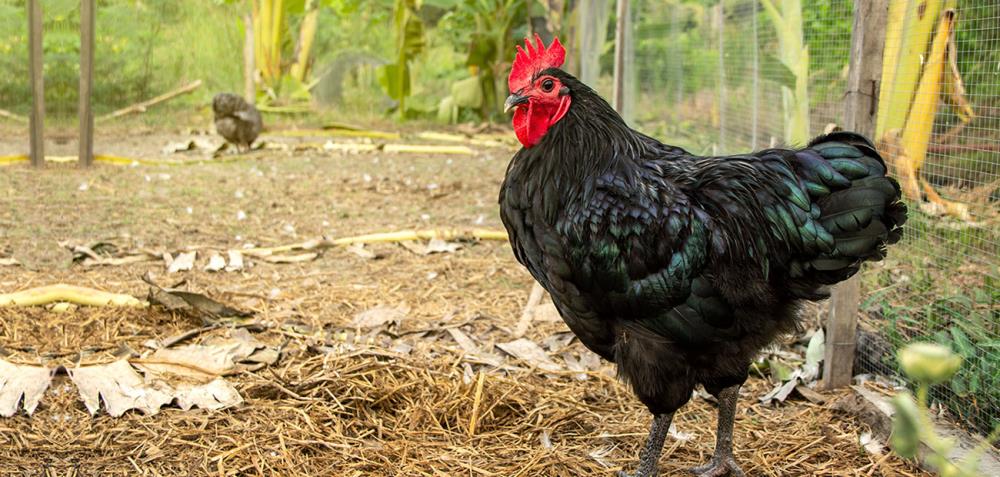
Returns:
<point x="87" y="15"/>
<point x="37" y="83"/>
<point x="860" y="108"/>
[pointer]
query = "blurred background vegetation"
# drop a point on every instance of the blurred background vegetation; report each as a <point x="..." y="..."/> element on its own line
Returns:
<point x="456" y="51"/>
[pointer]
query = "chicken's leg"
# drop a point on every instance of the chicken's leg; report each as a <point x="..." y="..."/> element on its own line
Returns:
<point x="654" y="445"/>
<point x="723" y="463"/>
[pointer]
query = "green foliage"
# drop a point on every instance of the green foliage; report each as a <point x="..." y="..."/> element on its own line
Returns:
<point x="14" y="86"/>
<point x="950" y="299"/>
<point x="408" y="31"/>
<point x="143" y="49"/>
<point x="928" y="364"/>
<point x="489" y="28"/>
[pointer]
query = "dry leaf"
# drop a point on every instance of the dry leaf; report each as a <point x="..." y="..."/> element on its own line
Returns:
<point x="215" y="263"/>
<point x="360" y="250"/>
<point x="380" y="316"/>
<point x="781" y="391"/>
<point x="871" y="443"/>
<point x="435" y="245"/>
<point x="529" y="352"/>
<point x="574" y="365"/>
<point x="200" y="305"/>
<point x="201" y="362"/>
<point x="235" y="261"/>
<point x="175" y="147"/>
<point x="678" y="435"/>
<point x="216" y="394"/>
<point x="19" y="381"/>
<point x="119" y="386"/>
<point x="440" y="246"/>
<point x="183" y="262"/>
<point x="463" y="340"/>
<point x="414" y="246"/>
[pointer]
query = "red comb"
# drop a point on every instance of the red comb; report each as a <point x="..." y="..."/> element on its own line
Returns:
<point x="535" y="59"/>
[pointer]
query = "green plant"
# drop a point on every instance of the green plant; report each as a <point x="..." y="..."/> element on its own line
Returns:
<point x="408" y="31"/>
<point x="490" y="28"/>
<point x="929" y="364"/>
<point x="787" y="20"/>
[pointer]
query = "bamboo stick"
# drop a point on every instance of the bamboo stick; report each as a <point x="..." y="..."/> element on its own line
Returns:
<point x="62" y="292"/>
<point x="385" y="237"/>
<point x="141" y="107"/>
<point x="336" y="132"/>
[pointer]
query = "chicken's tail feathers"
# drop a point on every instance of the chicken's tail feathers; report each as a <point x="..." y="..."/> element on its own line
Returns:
<point x="860" y="206"/>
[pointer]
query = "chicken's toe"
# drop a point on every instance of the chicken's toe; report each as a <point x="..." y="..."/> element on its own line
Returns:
<point x="724" y="467"/>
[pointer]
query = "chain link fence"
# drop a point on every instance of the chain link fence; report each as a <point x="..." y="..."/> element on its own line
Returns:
<point x="730" y="76"/>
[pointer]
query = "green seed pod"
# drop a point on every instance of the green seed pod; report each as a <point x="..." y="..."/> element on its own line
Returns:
<point x="929" y="363"/>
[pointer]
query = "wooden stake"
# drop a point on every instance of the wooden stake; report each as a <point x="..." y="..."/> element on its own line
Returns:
<point x="141" y="107"/>
<point x="249" y="61"/>
<point x="860" y="109"/>
<point x="621" y="39"/>
<point x="86" y="114"/>
<point x="37" y="83"/>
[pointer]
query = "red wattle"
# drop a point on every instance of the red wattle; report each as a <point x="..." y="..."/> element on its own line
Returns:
<point x="531" y="123"/>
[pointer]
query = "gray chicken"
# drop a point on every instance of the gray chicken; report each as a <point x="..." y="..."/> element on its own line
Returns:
<point x="236" y="120"/>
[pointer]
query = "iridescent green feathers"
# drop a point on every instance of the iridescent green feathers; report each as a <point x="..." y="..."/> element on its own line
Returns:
<point x="648" y="243"/>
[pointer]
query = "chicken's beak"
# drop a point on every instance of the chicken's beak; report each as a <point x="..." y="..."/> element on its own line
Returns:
<point x="513" y="101"/>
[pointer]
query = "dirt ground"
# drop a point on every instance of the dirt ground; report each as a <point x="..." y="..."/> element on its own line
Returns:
<point x="406" y="399"/>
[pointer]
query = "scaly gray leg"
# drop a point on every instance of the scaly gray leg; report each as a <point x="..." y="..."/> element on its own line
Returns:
<point x="723" y="463"/>
<point x="654" y="445"/>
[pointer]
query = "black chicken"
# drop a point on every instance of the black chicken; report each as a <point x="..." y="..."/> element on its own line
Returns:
<point x="675" y="267"/>
<point x="236" y="120"/>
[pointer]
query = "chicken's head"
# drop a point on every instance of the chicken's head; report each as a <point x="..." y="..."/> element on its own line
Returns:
<point x="538" y="99"/>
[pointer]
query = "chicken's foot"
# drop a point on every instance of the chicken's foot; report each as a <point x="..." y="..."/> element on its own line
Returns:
<point x="654" y="445"/>
<point x="723" y="463"/>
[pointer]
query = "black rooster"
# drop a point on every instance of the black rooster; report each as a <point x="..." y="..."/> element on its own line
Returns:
<point x="236" y="120"/>
<point x="675" y="267"/>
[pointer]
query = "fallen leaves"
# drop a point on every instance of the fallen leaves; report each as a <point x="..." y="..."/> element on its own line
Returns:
<point x="119" y="386"/>
<point x="105" y="253"/>
<point x="190" y="376"/>
<point x="529" y="352"/>
<point x="435" y="245"/>
<point x="218" y="357"/>
<point x="22" y="386"/>
<point x="380" y="316"/>
<point x="195" y="304"/>
<point x="789" y="379"/>
<point x="183" y="261"/>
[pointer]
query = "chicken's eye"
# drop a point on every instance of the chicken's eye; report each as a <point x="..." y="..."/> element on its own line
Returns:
<point x="547" y="85"/>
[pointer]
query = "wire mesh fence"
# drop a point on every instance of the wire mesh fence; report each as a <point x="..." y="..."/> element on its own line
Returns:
<point x="730" y="76"/>
<point x="14" y="83"/>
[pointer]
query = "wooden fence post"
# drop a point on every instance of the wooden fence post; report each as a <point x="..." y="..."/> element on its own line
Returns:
<point x="622" y="37"/>
<point x="860" y="108"/>
<point x="37" y="83"/>
<point x="249" y="61"/>
<point x="85" y="112"/>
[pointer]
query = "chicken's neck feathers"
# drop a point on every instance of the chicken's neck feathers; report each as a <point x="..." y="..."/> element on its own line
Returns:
<point x="591" y="140"/>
